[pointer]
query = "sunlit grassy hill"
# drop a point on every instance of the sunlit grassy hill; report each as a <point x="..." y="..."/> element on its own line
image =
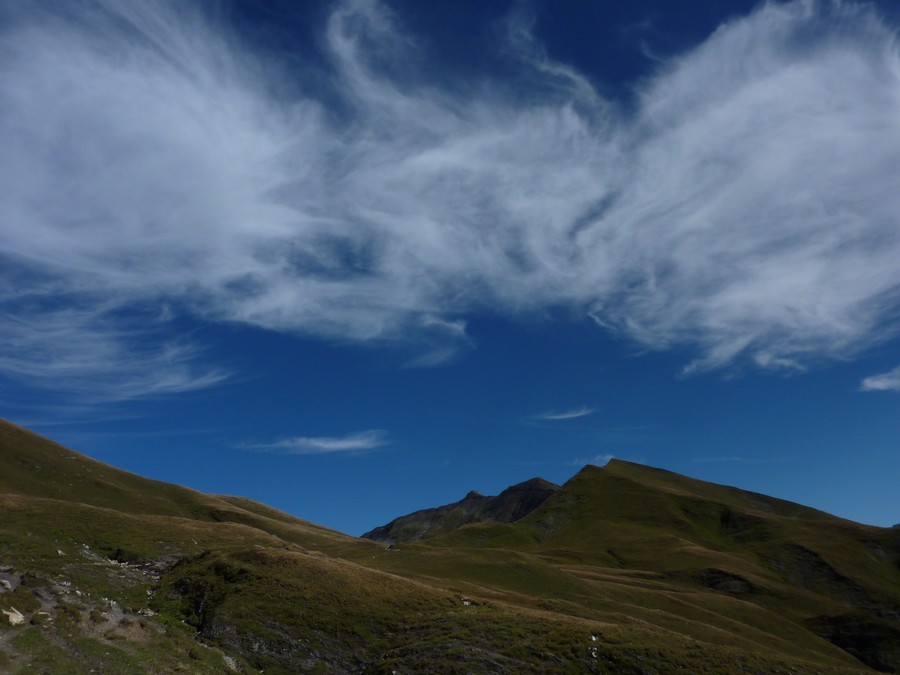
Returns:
<point x="623" y="569"/>
<point x="691" y="556"/>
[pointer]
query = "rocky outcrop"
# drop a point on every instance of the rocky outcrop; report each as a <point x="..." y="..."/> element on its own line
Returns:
<point x="14" y="616"/>
<point x="512" y="504"/>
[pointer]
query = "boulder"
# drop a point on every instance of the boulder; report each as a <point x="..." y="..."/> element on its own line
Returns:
<point x="14" y="616"/>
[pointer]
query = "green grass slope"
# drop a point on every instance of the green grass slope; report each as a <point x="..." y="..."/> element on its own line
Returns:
<point x="623" y="570"/>
<point x="777" y="573"/>
<point x="34" y="467"/>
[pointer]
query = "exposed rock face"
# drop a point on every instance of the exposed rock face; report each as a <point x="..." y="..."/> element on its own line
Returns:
<point x="513" y="503"/>
<point x="14" y="616"/>
<point x="41" y="618"/>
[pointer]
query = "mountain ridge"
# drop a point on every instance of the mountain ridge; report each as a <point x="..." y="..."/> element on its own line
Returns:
<point x="511" y="504"/>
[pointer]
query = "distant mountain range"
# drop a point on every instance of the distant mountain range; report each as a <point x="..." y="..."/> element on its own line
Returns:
<point x="623" y="569"/>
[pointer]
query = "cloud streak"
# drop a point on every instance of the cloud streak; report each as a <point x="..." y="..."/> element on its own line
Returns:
<point x="326" y="445"/>
<point x="889" y="381"/>
<point x="559" y="416"/>
<point x="155" y="167"/>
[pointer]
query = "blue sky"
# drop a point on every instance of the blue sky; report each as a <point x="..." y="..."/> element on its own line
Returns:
<point x="357" y="258"/>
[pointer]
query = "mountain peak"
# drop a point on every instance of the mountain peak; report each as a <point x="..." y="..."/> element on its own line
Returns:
<point x="532" y="484"/>
<point x="514" y="503"/>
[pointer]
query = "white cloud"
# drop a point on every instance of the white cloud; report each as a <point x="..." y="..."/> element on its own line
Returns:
<point x="322" y="445"/>
<point x="746" y="206"/>
<point x="443" y="340"/>
<point x="574" y="413"/>
<point x="99" y="356"/>
<point x="889" y="381"/>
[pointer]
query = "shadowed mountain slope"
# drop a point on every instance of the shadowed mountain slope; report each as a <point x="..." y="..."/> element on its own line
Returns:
<point x="510" y="505"/>
<point x="624" y="569"/>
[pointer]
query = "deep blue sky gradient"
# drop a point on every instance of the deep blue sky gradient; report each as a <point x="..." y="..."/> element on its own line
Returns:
<point x="475" y="422"/>
<point x="811" y="438"/>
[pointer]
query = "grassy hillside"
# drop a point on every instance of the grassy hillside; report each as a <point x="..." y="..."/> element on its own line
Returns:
<point x="672" y="549"/>
<point x="623" y="569"/>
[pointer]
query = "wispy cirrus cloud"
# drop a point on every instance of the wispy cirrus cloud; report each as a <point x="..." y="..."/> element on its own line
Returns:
<point x="889" y="381"/>
<point x="562" y="415"/>
<point x="100" y="356"/>
<point x="444" y="341"/>
<point x="355" y="443"/>
<point x="744" y="206"/>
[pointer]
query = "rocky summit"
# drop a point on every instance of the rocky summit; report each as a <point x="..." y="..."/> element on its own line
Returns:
<point x="513" y="503"/>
